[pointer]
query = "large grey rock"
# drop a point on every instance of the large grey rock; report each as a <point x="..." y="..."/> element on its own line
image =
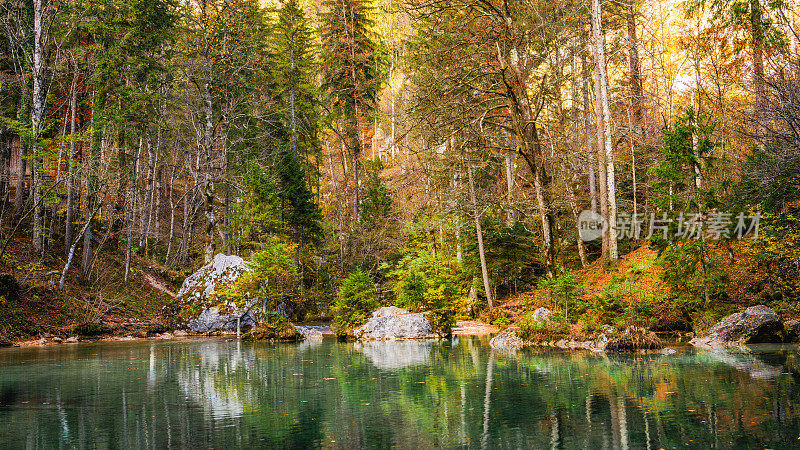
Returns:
<point x="391" y="322"/>
<point x="541" y="314"/>
<point x="223" y="269"/>
<point x="197" y="294"/>
<point x="754" y="325"/>
<point x="310" y="333"/>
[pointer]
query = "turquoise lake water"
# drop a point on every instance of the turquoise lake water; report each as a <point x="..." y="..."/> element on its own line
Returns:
<point x="418" y="395"/>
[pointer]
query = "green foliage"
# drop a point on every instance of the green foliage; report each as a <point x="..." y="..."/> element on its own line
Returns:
<point x="353" y="59"/>
<point x="428" y="282"/>
<point x="440" y="304"/>
<point x="512" y="253"/>
<point x="355" y="301"/>
<point x="554" y="328"/>
<point x="270" y="277"/>
<point x="256" y="217"/>
<point x="294" y="83"/>
<point x="300" y="212"/>
<point x="776" y="251"/>
<point x="501" y="322"/>
<point x="91" y="329"/>
<point x="771" y="177"/>
<point x="694" y="271"/>
<point x="376" y="203"/>
<point x="639" y="314"/>
<point x="564" y="290"/>
<point x="681" y="158"/>
<point x="752" y="23"/>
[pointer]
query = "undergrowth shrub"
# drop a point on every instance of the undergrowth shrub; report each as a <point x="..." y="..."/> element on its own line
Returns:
<point x="355" y="301"/>
<point x="553" y="328"/>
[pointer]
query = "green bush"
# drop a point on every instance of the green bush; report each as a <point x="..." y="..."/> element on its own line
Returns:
<point x="694" y="270"/>
<point x="430" y="283"/>
<point x="554" y="328"/>
<point x="269" y="279"/>
<point x="440" y="306"/>
<point x="91" y="329"/>
<point x="564" y="290"/>
<point x="355" y="301"/>
<point x="639" y="314"/>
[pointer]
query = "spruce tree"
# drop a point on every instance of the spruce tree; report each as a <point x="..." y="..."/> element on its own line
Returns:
<point x="301" y="214"/>
<point x="295" y="68"/>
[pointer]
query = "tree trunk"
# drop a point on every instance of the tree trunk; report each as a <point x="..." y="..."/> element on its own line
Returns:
<point x="481" y="253"/>
<point x="171" y="217"/>
<point x="510" y="158"/>
<point x="19" y="189"/>
<point x="147" y="204"/>
<point x="37" y="113"/>
<point x="635" y="80"/>
<point x="604" y="120"/>
<point x="573" y="204"/>
<point x="86" y="228"/>
<point x="587" y="129"/>
<point x="5" y="167"/>
<point x="208" y="149"/>
<point x="132" y="210"/>
<point x="92" y="177"/>
<point x="524" y="117"/>
<point x="73" y="106"/>
<point x="757" y="37"/>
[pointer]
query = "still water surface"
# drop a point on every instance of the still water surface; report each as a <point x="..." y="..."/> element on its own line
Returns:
<point x="228" y="394"/>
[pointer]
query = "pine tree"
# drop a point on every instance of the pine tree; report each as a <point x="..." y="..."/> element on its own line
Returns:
<point x="301" y="214"/>
<point x="295" y="67"/>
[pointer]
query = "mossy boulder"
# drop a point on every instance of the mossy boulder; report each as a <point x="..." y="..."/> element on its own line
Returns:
<point x="197" y="305"/>
<point x="754" y="325"/>
<point x="273" y="331"/>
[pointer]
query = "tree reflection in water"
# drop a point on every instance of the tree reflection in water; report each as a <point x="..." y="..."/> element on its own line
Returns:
<point x="404" y="394"/>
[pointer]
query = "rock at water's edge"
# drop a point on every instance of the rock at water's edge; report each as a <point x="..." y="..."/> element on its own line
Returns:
<point x="391" y="322"/>
<point x="507" y="340"/>
<point x="224" y="269"/>
<point x="754" y="325"/>
<point x="310" y="333"/>
<point x="196" y="294"/>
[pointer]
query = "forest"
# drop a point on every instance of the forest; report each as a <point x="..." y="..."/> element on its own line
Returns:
<point x="633" y="163"/>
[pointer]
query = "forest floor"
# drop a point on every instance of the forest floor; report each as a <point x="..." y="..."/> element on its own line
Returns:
<point x="635" y="278"/>
<point x="110" y="308"/>
<point x="107" y="306"/>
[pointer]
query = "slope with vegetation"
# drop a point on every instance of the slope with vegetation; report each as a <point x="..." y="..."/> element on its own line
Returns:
<point x="433" y="155"/>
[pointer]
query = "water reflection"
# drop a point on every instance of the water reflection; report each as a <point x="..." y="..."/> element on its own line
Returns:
<point x="391" y="355"/>
<point x="403" y="394"/>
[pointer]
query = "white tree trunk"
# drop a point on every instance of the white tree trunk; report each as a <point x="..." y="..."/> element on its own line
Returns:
<point x="487" y="286"/>
<point x="36" y="119"/>
<point x="605" y="119"/>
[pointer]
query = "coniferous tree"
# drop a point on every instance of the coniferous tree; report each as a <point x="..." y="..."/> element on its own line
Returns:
<point x="301" y="214"/>
<point x="295" y="68"/>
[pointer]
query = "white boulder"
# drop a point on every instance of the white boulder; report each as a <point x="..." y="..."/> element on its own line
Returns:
<point x="391" y="322"/>
<point x="197" y="293"/>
